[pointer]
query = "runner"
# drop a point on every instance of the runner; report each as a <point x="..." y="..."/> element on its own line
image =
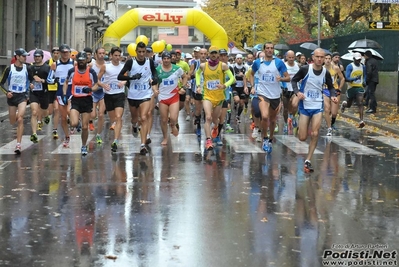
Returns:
<point x="271" y="71"/>
<point x="98" y="98"/>
<point x="114" y="98"/>
<point x="356" y="76"/>
<point x="310" y="95"/>
<point x="83" y="80"/>
<point x="58" y="73"/>
<point x="290" y="100"/>
<point x="18" y="80"/>
<point x="52" y="91"/>
<point x="38" y="97"/>
<point x="240" y="89"/>
<point x="331" y="108"/>
<point x="213" y="90"/>
<point x="142" y="76"/>
<point x="183" y="102"/>
<point x="168" y="93"/>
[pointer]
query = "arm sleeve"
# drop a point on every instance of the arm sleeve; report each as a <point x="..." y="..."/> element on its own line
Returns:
<point x="348" y="72"/>
<point x="127" y="67"/>
<point x="153" y="71"/>
<point x="231" y="78"/>
<point x="3" y="79"/>
<point x="50" y="76"/>
<point x="198" y="76"/>
<point x="365" y="75"/>
<point x="298" y="77"/>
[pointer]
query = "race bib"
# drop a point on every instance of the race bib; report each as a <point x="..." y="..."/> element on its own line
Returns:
<point x="78" y="90"/>
<point x="37" y="86"/>
<point x="212" y="85"/>
<point x="114" y="86"/>
<point x="239" y="83"/>
<point x="140" y="86"/>
<point x="168" y="82"/>
<point x="267" y="77"/>
<point x="314" y="94"/>
<point x="62" y="80"/>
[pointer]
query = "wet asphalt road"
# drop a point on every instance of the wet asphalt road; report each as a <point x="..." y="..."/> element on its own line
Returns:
<point x="189" y="209"/>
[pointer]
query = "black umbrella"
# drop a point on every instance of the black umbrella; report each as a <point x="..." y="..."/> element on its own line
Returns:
<point x="309" y="46"/>
<point x="281" y="47"/>
<point x="364" y="43"/>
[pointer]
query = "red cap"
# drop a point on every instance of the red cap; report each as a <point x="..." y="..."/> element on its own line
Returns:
<point x="178" y="51"/>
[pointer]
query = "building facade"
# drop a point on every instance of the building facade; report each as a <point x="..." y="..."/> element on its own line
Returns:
<point x="34" y="24"/>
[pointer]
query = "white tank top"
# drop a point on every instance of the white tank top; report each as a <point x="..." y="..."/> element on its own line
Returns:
<point x="62" y="71"/>
<point x="312" y="86"/>
<point x="268" y="85"/>
<point x="292" y="70"/>
<point x="111" y="77"/>
<point x="18" y="79"/>
<point x="140" y="89"/>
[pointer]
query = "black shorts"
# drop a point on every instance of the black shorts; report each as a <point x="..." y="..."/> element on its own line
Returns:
<point x="274" y="103"/>
<point x="288" y="94"/>
<point x="82" y="104"/>
<point x="16" y="99"/>
<point x="39" y="97"/>
<point x="137" y="102"/>
<point x="197" y="96"/>
<point x="114" y="101"/>
<point x="239" y="91"/>
<point x="182" y="97"/>
<point x="255" y="107"/>
<point x="225" y="104"/>
<point x="52" y="96"/>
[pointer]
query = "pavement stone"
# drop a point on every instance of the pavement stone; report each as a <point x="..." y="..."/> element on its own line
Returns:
<point x="386" y="118"/>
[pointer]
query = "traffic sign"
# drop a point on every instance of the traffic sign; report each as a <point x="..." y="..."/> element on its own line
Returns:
<point x="231" y="45"/>
<point x="383" y="25"/>
<point x="384" y="1"/>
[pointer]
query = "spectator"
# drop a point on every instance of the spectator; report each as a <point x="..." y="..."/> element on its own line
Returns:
<point x="371" y="81"/>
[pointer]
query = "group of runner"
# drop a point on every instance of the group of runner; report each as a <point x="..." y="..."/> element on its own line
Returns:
<point x="80" y="90"/>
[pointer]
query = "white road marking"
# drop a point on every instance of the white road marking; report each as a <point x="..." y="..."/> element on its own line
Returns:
<point x="241" y="143"/>
<point x="8" y="149"/>
<point x="353" y="147"/>
<point x="293" y="143"/>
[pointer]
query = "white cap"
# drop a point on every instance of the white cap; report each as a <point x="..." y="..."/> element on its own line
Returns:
<point x="188" y="55"/>
<point x="357" y="56"/>
<point x="197" y="49"/>
<point x="298" y="54"/>
<point x="238" y="56"/>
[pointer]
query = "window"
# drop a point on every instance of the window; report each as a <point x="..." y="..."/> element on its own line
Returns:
<point x="176" y="32"/>
<point x="191" y="31"/>
<point x="147" y="31"/>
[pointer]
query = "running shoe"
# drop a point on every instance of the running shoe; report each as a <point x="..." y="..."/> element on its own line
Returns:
<point x="334" y="128"/>
<point x="84" y="150"/>
<point x="289" y="124"/>
<point x="245" y="111"/>
<point x="238" y="119"/>
<point x="285" y="128"/>
<point x="218" y="141"/>
<point x="114" y="146"/>
<point x="135" y="131"/>
<point x="343" y="106"/>
<point x="91" y="126"/>
<point x="361" y="124"/>
<point x="98" y="139"/>
<point x="55" y="134"/>
<point x="143" y="150"/>
<point x="112" y="127"/>
<point x="294" y="122"/>
<point x="17" y="149"/>
<point x="308" y="166"/>
<point x="188" y="118"/>
<point x="270" y="147"/>
<point x="198" y="132"/>
<point x="39" y="125"/>
<point x="329" y="131"/>
<point x="148" y="141"/>
<point x="276" y="128"/>
<point x="259" y="138"/>
<point x="252" y="126"/>
<point x="72" y="130"/>
<point x="46" y="119"/>
<point x="215" y="132"/>
<point x="33" y="138"/>
<point x="255" y="132"/>
<point x="79" y="127"/>
<point x="265" y="145"/>
<point x="208" y="144"/>
<point x="66" y="142"/>
<point x="229" y="129"/>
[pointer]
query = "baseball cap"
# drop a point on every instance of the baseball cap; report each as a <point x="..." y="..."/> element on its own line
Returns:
<point x="21" y="52"/>
<point x="166" y="54"/>
<point x="298" y="54"/>
<point x="65" y="48"/>
<point x="239" y="56"/>
<point x="213" y="49"/>
<point x="81" y="55"/>
<point x="197" y="49"/>
<point x="223" y="51"/>
<point x="178" y="51"/>
<point x="148" y="49"/>
<point x="38" y="53"/>
<point x="188" y="55"/>
<point x="357" y="56"/>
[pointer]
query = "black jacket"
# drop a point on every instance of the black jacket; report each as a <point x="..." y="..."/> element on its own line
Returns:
<point x="372" y="70"/>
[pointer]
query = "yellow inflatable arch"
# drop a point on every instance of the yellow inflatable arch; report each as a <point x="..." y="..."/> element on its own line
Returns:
<point x="165" y="18"/>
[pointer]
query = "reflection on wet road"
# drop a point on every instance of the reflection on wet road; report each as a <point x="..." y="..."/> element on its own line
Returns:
<point x="177" y="208"/>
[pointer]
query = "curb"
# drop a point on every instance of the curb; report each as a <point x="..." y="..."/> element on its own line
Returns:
<point x="383" y="126"/>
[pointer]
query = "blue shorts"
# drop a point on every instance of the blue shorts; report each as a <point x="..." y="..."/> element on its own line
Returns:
<point x="255" y="107"/>
<point x="98" y="95"/>
<point x="326" y="92"/>
<point x="309" y="112"/>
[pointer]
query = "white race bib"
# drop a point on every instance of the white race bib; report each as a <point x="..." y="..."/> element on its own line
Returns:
<point x="114" y="86"/>
<point x="17" y="88"/>
<point x="313" y="94"/>
<point x="140" y="86"/>
<point x="212" y="85"/>
<point x="78" y="90"/>
<point x="37" y="86"/>
<point x="239" y="83"/>
<point x="168" y="82"/>
<point x="268" y="77"/>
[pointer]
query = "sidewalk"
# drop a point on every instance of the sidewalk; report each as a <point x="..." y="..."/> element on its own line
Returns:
<point x="386" y="118"/>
